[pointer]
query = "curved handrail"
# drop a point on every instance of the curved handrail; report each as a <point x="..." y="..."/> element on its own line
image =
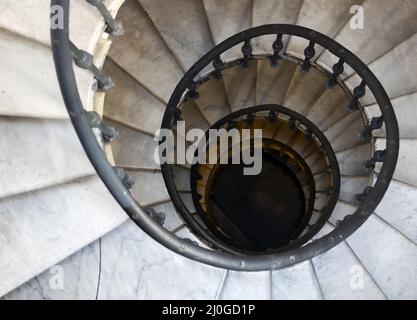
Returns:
<point x="63" y="62"/>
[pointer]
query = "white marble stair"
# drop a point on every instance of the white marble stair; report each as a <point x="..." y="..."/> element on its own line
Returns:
<point x="147" y="63"/>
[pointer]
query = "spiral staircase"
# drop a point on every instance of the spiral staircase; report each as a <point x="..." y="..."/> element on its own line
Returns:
<point x="323" y="93"/>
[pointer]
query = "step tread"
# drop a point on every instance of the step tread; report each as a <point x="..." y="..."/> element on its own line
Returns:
<point x="183" y="26"/>
<point x="270" y="12"/>
<point x="398" y="79"/>
<point x="296" y="283"/>
<point x="38" y="154"/>
<point x="52" y="224"/>
<point x="226" y="18"/>
<point x="37" y="94"/>
<point x="323" y="16"/>
<point x="130" y="103"/>
<point x="342" y="276"/>
<point x="383" y="29"/>
<point x="404" y="171"/>
<point x="143" y="53"/>
<point x="246" y="286"/>
<point x="388" y="256"/>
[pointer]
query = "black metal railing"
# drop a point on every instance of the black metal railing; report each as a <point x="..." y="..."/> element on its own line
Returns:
<point x="117" y="183"/>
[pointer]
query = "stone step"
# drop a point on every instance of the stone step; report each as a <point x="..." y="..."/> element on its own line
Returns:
<point x="342" y="276"/>
<point x="398" y="79"/>
<point x="405" y="171"/>
<point x="31" y="19"/>
<point x="131" y="104"/>
<point x="183" y="26"/>
<point x="327" y="17"/>
<point x="352" y="161"/>
<point x="272" y="83"/>
<point x="53" y="224"/>
<point x="38" y="154"/>
<point x="246" y="286"/>
<point x="406" y="112"/>
<point x="271" y="12"/>
<point x="382" y="28"/>
<point x="305" y="89"/>
<point x="29" y="85"/>
<point x="296" y="283"/>
<point x="143" y="53"/>
<point x="226" y="18"/>
<point x="240" y="86"/>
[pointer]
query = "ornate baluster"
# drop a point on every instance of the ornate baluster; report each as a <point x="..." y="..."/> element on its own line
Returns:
<point x="277" y="46"/>
<point x="85" y="60"/>
<point x="108" y="133"/>
<point x="358" y="93"/>
<point x="361" y="197"/>
<point x="127" y="179"/>
<point x="114" y="28"/>
<point x="218" y="64"/>
<point x="338" y="69"/>
<point x="376" y="123"/>
<point x="309" y="54"/>
<point x="193" y="94"/>
<point x="247" y="52"/>
<point x="378" y="157"/>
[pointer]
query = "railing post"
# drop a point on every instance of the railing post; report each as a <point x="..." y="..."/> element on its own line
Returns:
<point x="114" y="28"/>
<point x="309" y="54"/>
<point x="358" y="93"/>
<point x="277" y="46"/>
<point x="85" y="60"/>
<point x="338" y="69"/>
<point x="94" y="120"/>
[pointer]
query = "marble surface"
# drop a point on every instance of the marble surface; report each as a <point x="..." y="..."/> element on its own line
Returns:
<point x="342" y="276"/>
<point x="296" y="283"/>
<point x="39" y="229"/>
<point x="30" y="65"/>
<point x="31" y="163"/>
<point x="382" y="28"/>
<point x="143" y="53"/>
<point x="174" y="23"/>
<point x="405" y="111"/>
<point x="398" y="79"/>
<point x="246" y="286"/>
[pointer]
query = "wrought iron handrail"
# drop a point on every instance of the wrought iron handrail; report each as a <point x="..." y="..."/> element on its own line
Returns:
<point x="61" y="47"/>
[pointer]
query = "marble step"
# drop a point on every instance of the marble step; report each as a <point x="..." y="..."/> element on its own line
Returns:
<point x="406" y="112"/>
<point x="345" y="134"/>
<point x="342" y="276"/>
<point x="305" y="89"/>
<point x="352" y="161"/>
<point x="383" y="29"/>
<point x="143" y="53"/>
<point x="272" y="83"/>
<point x="397" y="78"/>
<point x="350" y="186"/>
<point x="133" y="266"/>
<point x="246" y="286"/>
<point x="398" y="208"/>
<point x="327" y="17"/>
<point x="183" y="26"/>
<point x="133" y="149"/>
<point x="29" y="85"/>
<point x="271" y="12"/>
<point x="131" y="104"/>
<point x="38" y="154"/>
<point x="53" y="224"/>
<point x="213" y="101"/>
<point x="31" y="19"/>
<point x="226" y="18"/>
<point x="405" y="170"/>
<point x="330" y="108"/>
<point x="296" y="283"/>
<point x="388" y="256"/>
<point x="240" y="85"/>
